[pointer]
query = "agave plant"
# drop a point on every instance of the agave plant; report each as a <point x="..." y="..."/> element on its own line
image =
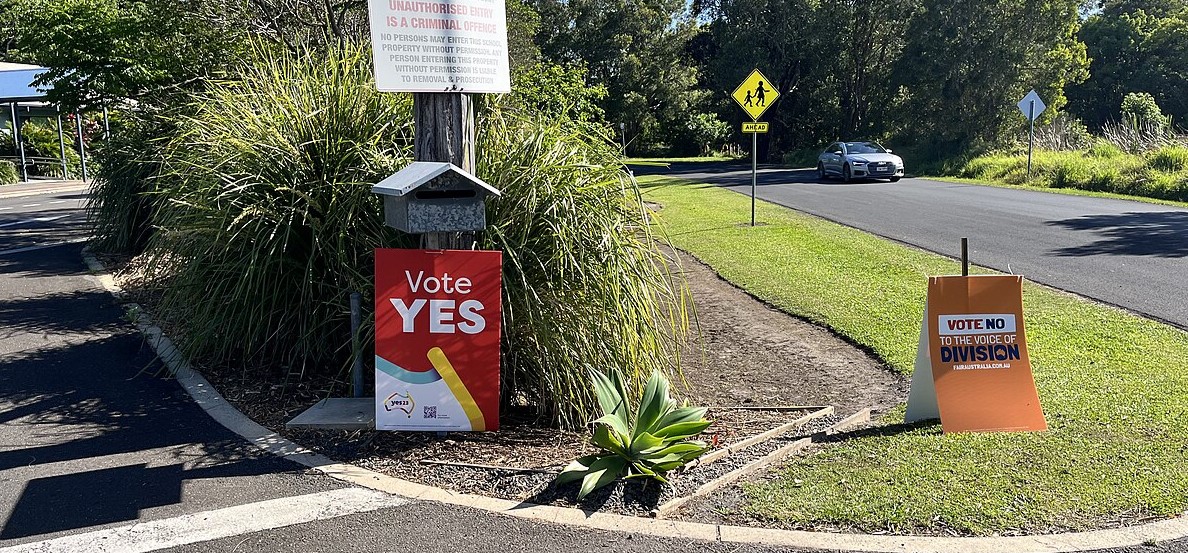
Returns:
<point x="658" y="439"/>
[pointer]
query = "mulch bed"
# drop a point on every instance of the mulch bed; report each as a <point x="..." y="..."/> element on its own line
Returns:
<point x="747" y="354"/>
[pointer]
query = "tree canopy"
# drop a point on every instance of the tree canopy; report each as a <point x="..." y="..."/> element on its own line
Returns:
<point x="940" y="76"/>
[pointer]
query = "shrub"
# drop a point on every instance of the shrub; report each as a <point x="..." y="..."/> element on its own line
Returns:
<point x="552" y="90"/>
<point x="266" y="222"/>
<point x="265" y="217"/>
<point x="584" y="283"/>
<point x="1139" y="108"/>
<point x="120" y="208"/>
<point x="8" y="172"/>
<point x="804" y="157"/>
<point x="1104" y="149"/>
<point x="41" y="140"/>
<point x="1170" y="158"/>
<point x="655" y="439"/>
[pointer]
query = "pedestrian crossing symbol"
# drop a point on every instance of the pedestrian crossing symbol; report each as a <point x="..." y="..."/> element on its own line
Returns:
<point x="755" y="94"/>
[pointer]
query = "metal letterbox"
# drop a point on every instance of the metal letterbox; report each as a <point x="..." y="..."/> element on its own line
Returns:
<point x="434" y="197"/>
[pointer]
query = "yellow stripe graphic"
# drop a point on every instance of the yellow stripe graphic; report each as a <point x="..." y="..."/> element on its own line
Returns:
<point x="450" y="376"/>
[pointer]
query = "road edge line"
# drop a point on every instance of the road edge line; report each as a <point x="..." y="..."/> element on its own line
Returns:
<point x="227" y="415"/>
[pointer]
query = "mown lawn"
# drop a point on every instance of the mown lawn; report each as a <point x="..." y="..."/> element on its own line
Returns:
<point x="1113" y="387"/>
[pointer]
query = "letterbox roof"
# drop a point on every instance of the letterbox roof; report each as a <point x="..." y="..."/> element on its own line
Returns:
<point x="417" y="173"/>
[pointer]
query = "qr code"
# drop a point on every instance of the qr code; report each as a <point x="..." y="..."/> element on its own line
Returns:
<point x="431" y="412"/>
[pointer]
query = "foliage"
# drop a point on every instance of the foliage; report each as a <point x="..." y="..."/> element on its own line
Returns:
<point x="802" y="157"/>
<point x="522" y="25"/>
<point x="265" y="219"/>
<point x="702" y="133"/>
<point x="636" y="49"/>
<point x="1170" y="158"/>
<point x="960" y="82"/>
<point x="1138" y="136"/>
<point x="41" y="139"/>
<point x="584" y="283"/>
<point x="8" y="172"/>
<point x="1139" y="108"/>
<point x="102" y="51"/>
<point x="914" y="72"/>
<point x="552" y="90"/>
<point x="654" y="440"/>
<point x="1159" y="175"/>
<point x="1135" y="46"/>
<point x="120" y="207"/>
<point x="1090" y="467"/>
<point x="262" y="200"/>
<point x="1063" y="133"/>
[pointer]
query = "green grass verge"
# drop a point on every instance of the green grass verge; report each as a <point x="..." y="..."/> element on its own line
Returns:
<point x="1050" y="190"/>
<point x="1160" y="174"/>
<point x="706" y="159"/>
<point x="1112" y="386"/>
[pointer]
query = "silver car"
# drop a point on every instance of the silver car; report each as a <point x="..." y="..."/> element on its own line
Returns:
<point x="851" y="160"/>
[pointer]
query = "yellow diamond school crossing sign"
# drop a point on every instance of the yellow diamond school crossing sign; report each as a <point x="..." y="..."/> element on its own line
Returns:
<point x="755" y="94"/>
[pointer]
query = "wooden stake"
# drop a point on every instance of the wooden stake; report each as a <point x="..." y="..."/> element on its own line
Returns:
<point x="964" y="256"/>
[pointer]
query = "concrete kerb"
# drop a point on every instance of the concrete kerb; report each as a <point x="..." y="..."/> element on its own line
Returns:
<point x="227" y="415"/>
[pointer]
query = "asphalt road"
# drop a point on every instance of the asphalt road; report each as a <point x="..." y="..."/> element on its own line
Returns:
<point x="1125" y="253"/>
<point x="99" y="452"/>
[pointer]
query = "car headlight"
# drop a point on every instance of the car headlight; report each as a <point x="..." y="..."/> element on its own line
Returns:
<point x="858" y="162"/>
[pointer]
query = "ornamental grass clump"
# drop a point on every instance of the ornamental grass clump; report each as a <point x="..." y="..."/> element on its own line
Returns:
<point x="585" y="283"/>
<point x="649" y="443"/>
<point x="265" y="217"/>
<point x="265" y="222"/>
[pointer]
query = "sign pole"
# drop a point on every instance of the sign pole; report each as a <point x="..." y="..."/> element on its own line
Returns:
<point x="964" y="256"/>
<point x="1030" y="133"/>
<point x="755" y="95"/>
<point x="444" y="131"/>
<point x="754" y="164"/>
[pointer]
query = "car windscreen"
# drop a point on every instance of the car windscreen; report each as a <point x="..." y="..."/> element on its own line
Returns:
<point x="864" y="148"/>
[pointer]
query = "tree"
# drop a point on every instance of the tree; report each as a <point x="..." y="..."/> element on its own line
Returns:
<point x="967" y="62"/>
<point x="637" y="50"/>
<point x="790" y="42"/>
<point x="1135" y="45"/>
<point x="101" y="51"/>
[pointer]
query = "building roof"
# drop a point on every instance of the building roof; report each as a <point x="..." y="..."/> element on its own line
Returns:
<point x="16" y="82"/>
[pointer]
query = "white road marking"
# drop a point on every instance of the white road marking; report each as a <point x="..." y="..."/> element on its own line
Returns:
<point x="154" y="535"/>
<point x="5" y="208"/>
<point x="61" y="202"/>
<point x="37" y="220"/>
<point x="4" y="194"/>
<point x="42" y="247"/>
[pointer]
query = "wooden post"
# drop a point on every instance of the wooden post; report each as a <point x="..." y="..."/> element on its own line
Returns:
<point x="964" y="256"/>
<point x="444" y="127"/>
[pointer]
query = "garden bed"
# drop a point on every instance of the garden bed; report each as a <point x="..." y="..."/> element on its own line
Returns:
<point x="755" y="377"/>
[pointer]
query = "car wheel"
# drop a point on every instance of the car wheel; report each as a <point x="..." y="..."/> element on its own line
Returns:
<point x="895" y="179"/>
<point x="820" y="171"/>
<point x="846" y="173"/>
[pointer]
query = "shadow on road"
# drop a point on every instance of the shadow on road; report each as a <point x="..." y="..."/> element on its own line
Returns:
<point x="1158" y="234"/>
<point x="93" y="400"/>
<point x="60" y="313"/>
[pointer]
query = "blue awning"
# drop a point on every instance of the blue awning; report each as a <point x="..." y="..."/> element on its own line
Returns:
<point x="16" y="82"/>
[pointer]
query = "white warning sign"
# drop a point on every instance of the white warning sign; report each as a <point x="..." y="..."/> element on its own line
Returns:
<point x="451" y="46"/>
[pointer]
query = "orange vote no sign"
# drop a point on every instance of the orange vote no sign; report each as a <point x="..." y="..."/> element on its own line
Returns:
<point x="974" y="349"/>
